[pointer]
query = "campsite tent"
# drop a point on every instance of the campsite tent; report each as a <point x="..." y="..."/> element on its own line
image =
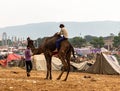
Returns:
<point x="82" y="66"/>
<point x="105" y="64"/>
<point x="3" y="62"/>
<point x="13" y="60"/>
<point x="12" y="57"/>
<point x="40" y="64"/>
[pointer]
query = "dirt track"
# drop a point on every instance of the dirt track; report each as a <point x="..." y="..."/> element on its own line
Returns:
<point x="14" y="79"/>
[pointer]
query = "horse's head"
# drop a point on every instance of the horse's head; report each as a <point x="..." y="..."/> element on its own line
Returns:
<point x="34" y="50"/>
<point x="30" y="43"/>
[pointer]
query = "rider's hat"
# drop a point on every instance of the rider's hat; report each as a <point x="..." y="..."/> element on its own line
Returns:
<point x="61" y="25"/>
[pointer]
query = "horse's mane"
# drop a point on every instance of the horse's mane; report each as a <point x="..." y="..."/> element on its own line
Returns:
<point x="55" y="35"/>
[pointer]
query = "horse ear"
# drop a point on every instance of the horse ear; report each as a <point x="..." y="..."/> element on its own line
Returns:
<point x="28" y="38"/>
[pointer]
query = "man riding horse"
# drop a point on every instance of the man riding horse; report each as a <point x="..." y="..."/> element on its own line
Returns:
<point x="47" y="47"/>
<point x="64" y="36"/>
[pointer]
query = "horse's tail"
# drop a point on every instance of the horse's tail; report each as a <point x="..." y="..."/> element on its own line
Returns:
<point x="72" y="49"/>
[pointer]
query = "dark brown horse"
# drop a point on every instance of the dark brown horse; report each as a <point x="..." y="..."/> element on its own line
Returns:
<point x="47" y="47"/>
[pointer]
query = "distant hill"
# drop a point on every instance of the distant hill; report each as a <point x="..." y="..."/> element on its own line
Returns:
<point x="36" y="30"/>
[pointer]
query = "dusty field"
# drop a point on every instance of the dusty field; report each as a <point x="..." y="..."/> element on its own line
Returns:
<point x="14" y="79"/>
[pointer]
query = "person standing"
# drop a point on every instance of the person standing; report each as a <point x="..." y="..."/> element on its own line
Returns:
<point x="28" y="61"/>
<point x="64" y="35"/>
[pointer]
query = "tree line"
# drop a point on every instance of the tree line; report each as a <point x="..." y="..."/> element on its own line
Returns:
<point x="88" y="40"/>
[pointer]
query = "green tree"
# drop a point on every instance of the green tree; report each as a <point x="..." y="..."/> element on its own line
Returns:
<point x="89" y="38"/>
<point x="78" y="41"/>
<point x="97" y="42"/>
<point x="116" y="41"/>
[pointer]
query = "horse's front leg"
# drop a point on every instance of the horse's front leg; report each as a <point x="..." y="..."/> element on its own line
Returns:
<point x="48" y="62"/>
<point x="50" y="69"/>
<point x="47" y="71"/>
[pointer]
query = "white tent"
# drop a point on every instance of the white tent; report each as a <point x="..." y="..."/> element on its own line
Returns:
<point x="104" y="50"/>
<point x="40" y="63"/>
<point x="82" y="66"/>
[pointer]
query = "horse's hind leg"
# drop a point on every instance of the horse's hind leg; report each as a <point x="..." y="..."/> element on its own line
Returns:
<point x="65" y="67"/>
<point x="68" y="65"/>
<point x="68" y="70"/>
<point x="62" y="58"/>
<point x="60" y="74"/>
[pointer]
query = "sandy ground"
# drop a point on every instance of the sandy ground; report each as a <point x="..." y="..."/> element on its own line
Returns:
<point x="15" y="79"/>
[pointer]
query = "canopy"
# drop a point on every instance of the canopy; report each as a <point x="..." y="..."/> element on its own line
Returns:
<point x="3" y="62"/>
<point x="13" y="56"/>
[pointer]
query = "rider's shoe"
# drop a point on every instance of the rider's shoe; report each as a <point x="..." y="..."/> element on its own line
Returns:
<point x="56" y="50"/>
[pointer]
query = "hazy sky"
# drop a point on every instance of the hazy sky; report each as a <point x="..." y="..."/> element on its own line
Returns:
<point x="19" y="12"/>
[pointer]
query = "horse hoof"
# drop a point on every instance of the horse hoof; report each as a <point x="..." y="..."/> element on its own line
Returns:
<point x="58" y="78"/>
<point x="64" y="80"/>
<point x="50" y="78"/>
<point x="45" y="78"/>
